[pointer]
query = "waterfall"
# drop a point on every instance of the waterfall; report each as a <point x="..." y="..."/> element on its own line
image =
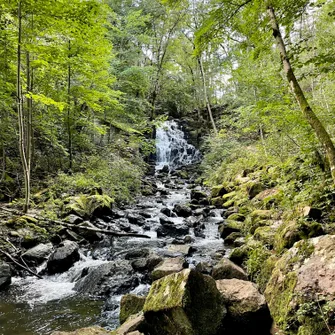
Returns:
<point x="172" y="149"/>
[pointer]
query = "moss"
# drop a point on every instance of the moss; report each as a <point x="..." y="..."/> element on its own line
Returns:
<point x="265" y="235"/>
<point x="279" y="293"/>
<point x="130" y="304"/>
<point x="239" y="255"/>
<point x="236" y="217"/>
<point x="256" y="257"/>
<point x="218" y="201"/>
<point x="266" y="272"/>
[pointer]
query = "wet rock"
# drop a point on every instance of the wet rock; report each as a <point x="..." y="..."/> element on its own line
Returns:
<point x="168" y="266"/>
<point x="84" y="331"/>
<point x="124" y="225"/>
<point x="130" y="304"/>
<point x="166" y="211"/>
<point x="165" y="169"/>
<point x="145" y="214"/>
<point x="136" y="219"/>
<point x="188" y="239"/>
<point x="182" y="210"/>
<point x="91" y="236"/>
<point x="198" y="195"/>
<point x="109" y="278"/>
<point x="226" y="269"/>
<point x="63" y="257"/>
<point x="118" y="214"/>
<point x="185" y="303"/>
<point x="164" y="220"/>
<point x="192" y="221"/>
<point x="247" y="309"/>
<point x="5" y="275"/>
<point x="38" y="254"/>
<point x="173" y="230"/>
<point x="137" y="253"/>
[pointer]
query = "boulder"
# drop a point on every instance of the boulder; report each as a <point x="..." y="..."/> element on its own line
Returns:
<point x="38" y="254"/>
<point x="137" y="253"/>
<point x="184" y="303"/>
<point x="225" y="229"/>
<point x="74" y="219"/>
<point x="63" y="257"/>
<point x="198" y="195"/>
<point x="301" y="290"/>
<point x="132" y="325"/>
<point x="115" y="277"/>
<point x="5" y="275"/>
<point x="312" y="213"/>
<point x="218" y="191"/>
<point x="168" y="266"/>
<point x="136" y="219"/>
<point x="130" y="304"/>
<point x="84" y="331"/>
<point x="248" y="312"/>
<point x="173" y="230"/>
<point x="166" y="211"/>
<point x="204" y="267"/>
<point x="226" y="269"/>
<point x="182" y="210"/>
<point x="231" y="238"/>
<point x="254" y="189"/>
<point x="183" y="250"/>
<point x="146" y="264"/>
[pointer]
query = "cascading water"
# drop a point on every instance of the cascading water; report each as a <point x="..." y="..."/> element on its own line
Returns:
<point x="172" y="148"/>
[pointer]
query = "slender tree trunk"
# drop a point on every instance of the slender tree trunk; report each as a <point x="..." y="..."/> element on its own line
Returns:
<point x="69" y="121"/>
<point x="306" y="109"/>
<point x="19" y="100"/>
<point x="206" y="95"/>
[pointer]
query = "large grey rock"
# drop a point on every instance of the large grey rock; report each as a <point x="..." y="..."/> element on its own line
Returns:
<point x="63" y="257"/>
<point x="247" y="308"/>
<point x="5" y="275"/>
<point x="38" y="254"/>
<point x="172" y="230"/>
<point x="184" y="303"/>
<point x="113" y="277"/>
<point x="226" y="269"/>
<point x="182" y="210"/>
<point x="168" y="266"/>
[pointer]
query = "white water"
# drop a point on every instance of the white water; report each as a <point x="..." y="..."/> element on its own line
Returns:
<point x="171" y="147"/>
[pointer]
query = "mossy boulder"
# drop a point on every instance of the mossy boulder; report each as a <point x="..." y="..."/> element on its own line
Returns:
<point x="226" y="269"/>
<point x="229" y="227"/>
<point x="293" y="231"/>
<point x="254" y="188"/>
<point x="231" y="238"/>
<point x="266" y="235"/>
<point x="130" y="304"/>
<point x="217" y="202"/>
<point x="236" y="217"/>
<point x="239" y="255"/>
<point x="247" y="309"/>
<point x="301" y="290"/>
<point x="218" y="191"/>
<point x="184" y="303"/>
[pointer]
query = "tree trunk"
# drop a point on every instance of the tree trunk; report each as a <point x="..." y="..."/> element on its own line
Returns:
<point x="206" y="95"/>
<point x="69" y="119"/>
<point x="306" y="109"/>
<point x="19" y="101"/>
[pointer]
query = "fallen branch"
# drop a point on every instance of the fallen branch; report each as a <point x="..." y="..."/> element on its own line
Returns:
<point x="20" y="265"/>
<point x="103" y="231"/>
<point x="69" y="225"/>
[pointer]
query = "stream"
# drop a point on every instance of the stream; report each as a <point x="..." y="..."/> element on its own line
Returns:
<point x="66" y="302"/>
